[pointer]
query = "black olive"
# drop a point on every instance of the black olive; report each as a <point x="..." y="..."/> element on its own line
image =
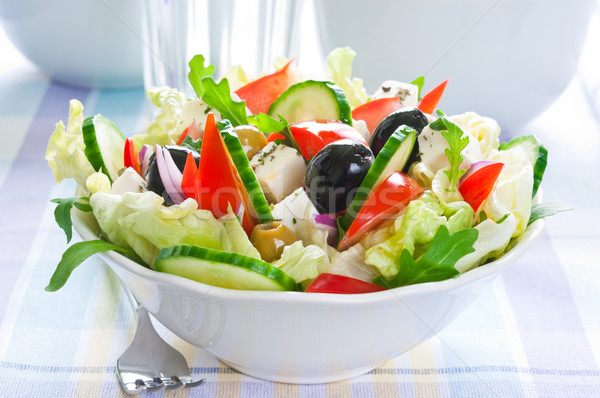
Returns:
<point x="179" y="155"/>
<point x="408" y="116"/>
<point x="334" y="174"/>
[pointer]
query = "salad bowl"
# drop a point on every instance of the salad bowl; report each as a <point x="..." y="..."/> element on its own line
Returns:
<point x="297" y="337"/>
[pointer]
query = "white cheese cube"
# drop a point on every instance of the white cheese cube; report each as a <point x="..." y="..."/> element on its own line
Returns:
<point x="408" y="93"/>
<point x="195" y="111"/>
<point x="129" y="181"/>
<point x="279" y="169"/>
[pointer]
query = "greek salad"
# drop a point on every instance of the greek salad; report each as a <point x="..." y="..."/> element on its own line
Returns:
<point x="293" y="184"/>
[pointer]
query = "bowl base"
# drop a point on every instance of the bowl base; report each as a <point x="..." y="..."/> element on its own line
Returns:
<point x="303" y="379"/>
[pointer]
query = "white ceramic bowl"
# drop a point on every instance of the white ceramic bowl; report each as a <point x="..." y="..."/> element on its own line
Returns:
<point x="303" y="337"/>
<point x="84" y="43"/>
<point x="508" y="59"/>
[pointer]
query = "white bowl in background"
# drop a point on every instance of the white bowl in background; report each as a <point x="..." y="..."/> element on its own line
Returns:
<point x="84" y="43"/>
<point x="507" y="59"/>
<point x="297" y="337"/>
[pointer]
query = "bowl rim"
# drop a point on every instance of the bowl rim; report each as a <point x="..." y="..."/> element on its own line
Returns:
<point x="525" y="241"/>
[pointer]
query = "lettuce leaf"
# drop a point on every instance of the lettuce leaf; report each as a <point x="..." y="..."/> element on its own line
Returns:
<point x="302" y="263"/>
<point x="437" y="263"/>
<point x="237" y="241"/>
<point x="163" y="129"/>
<point x="416" y="229"/>
<point x="65" y="151"/>
<point x="512" y="191"/>
<point x="139" y="221"/>
<point x="338" y="67"/>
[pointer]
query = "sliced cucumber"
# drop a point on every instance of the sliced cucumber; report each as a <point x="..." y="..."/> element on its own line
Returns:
<point x="104" y="144"/>
<point x="537" y="153"/>
<point x="392" y="157"/>
<point x="242" y="165"/>
<point x="312" y="100"/>
<point x="223" y="269"/>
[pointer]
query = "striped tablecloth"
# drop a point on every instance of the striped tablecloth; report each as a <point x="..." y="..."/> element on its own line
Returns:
<point x="534" y="333"/>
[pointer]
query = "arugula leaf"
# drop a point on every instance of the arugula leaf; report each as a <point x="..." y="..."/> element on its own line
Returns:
<point x="457" y="141"/>
<point x="215" y="95"/>
<point x="542" y="210"/>
<point x="198" y="72"/>
<point x="62" y="213"/>
<point x="78" y="253"/>
<point x="266" y="124"/>
<point x="437" y="263"/>
<point x="419" y="82"/>
<point x="218" y="96"/>
<point x="191" y="144"/>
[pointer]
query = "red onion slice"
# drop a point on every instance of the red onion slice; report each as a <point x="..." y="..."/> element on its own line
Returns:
<point x="169" y="174"/>
<point x="144" y="158"/>
<point x="328" y="222"/>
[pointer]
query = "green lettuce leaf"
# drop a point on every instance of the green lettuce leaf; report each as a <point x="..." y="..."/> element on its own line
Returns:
<point x="416" y="229"/>
<point x="437" y="263"/>
<point x="163" y="129"/>
<point x="338" y="67"/>
<point x="237" y="241"/>
<point x="302" y="263"/>
<point x="65" y="151"/>
<point x="139" y="221"/>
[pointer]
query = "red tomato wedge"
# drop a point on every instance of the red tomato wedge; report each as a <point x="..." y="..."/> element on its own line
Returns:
<point x="261" y="93"/>
<point x="373" y="112"/>
<point x="430" y="101"/>
<point x="130" y="156"/>
<point x="313" y="135"/>
<point x="189" y="178"/>
<point x="217" y="184"/>
<point x="478" y="182"/>
<point x="388" y="198"/>
<point x="193" y="131"/>
<point x="332" y="283"/>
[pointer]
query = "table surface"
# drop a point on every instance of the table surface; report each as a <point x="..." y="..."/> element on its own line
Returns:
<point x="534" y="333"/>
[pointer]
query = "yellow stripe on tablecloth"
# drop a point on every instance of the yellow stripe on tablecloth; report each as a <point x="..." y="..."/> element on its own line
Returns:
<point x="425" y="383"/>
<point x="229" y="382"/>
<point x="98" y="341"/>
<point x="338" y="389"/>
<point x="514" y="339"/>
<point x="385" y="383"/>
<point x="285" y="390"/>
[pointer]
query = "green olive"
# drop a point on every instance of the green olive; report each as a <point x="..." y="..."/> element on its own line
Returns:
<point x="270" y="238"/>
<point x="252" y="140"/>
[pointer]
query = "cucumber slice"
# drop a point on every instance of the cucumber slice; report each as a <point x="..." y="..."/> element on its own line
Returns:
<point x="242" y="165"/>
<point x="312" y="100"/>
<point x="223" y="269"/>
<point x="537" y="153"/>
<point x="392" y="157"/>
<point x="104" y="144"/>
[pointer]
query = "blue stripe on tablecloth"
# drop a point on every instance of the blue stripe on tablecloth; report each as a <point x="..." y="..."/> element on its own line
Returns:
<point x="213" y="370"/>
<point x="27" y="185"/>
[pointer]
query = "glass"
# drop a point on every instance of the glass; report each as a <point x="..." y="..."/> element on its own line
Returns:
<point x="250" y="33"/>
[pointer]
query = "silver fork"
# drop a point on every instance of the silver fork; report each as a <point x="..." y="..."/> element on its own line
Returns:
<point x="149" y="363"/>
